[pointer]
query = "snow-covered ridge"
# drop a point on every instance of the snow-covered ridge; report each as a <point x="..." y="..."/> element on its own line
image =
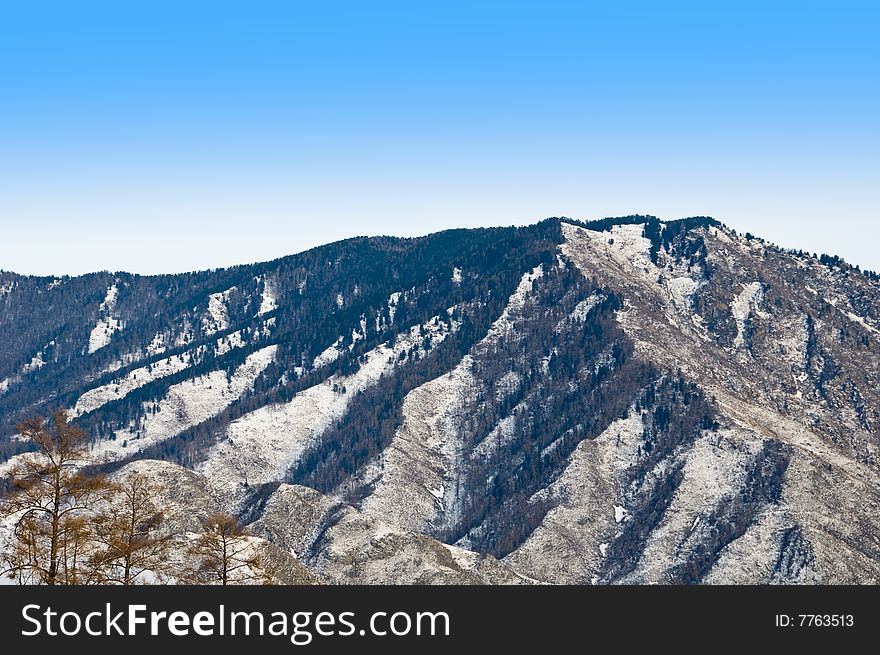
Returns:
<point x="107" y="324"/>
<point x="625" y="248"/>
<point x="571" y="543"/>
<point x="187" y="404"/>
<point x="329" y="355"/>
<point x="263" y="445"/>
<point x="139" y="377"/>
<point x="411" y="475"/>
<point x="625" y="244"/>
<point x="714" y="471"/>
<point x="350" y="547"/>
<point x="503" y="326"/>
<point x="216" y="319"/>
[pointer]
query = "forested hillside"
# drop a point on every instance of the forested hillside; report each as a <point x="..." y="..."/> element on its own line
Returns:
<point x="622" y="400"/>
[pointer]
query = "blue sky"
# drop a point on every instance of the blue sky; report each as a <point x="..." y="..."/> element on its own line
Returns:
<point x="151" y="136"/>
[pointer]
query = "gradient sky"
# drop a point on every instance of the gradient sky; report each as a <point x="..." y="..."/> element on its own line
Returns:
<point x="169" y="136"/>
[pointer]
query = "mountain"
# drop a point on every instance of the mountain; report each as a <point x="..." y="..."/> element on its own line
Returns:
<point x="618" y="401"/>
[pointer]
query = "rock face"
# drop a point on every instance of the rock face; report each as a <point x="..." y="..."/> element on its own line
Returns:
<point x="788" y="349"/>
<point x="351" y="547"/>
<point x="186" y="501"/>
<point x="621" y="401"/>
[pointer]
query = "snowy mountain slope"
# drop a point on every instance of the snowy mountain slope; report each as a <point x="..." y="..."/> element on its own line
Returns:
<point x="622" y="401"/>
<point x="569" y="545"/>
<point x="184" y="519"/>
<point x="785" y="364"/>
<point x="261" y="446"/>
<point x="185" y="405"/>
<point x="414" y="481"/>
<point x="349" y="547"/>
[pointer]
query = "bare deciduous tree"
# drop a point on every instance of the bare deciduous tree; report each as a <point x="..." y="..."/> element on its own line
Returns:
<point x="223" y="554"/>
<point x="131" y="538"/>
<point x="51" y="502"/>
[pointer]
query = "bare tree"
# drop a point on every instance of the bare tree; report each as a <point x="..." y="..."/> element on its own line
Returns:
<point x="131" y="538"/>
<point x="50" y="502"/>
<point x="223" y="554"/>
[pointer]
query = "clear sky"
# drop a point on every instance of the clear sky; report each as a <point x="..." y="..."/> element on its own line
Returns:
<point x="168" y="136"/>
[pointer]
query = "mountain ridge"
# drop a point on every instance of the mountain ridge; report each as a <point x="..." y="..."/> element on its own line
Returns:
<point x="622" y="400"/>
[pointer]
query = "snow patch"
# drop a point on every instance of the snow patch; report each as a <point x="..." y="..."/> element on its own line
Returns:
<point x="229" y="343"/>
<point x="393" y="301"/>
<point x="359" y="335"/>
<point x="681" y="290"/>
<point x="216" y="319"/>
<point x="714" y="471"/>
<point x="162" y="341"/>
<point x="456" y="275"/>
<point x="139" y="377"/>
<point x="7" y="467"/>
<point x="620" y="513"/>
<point x="501" y="435"/>
<point x="268" y="299"/>
<point x="624" y="244"/>
<point x="564" y="548"/>
<point x="158" y="345"/>
<point x="742" y="307"/>
<point x="107" y="325"/>
<point x="584" y="307"/>
<point x="329" y="355"/>
<point x="861" y="321"/>
<point x="503" y="327"/>
<point x="36" y="363"/>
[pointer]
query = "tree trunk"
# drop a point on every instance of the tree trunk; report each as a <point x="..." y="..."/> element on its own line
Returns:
<point x="53" y="544"/>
